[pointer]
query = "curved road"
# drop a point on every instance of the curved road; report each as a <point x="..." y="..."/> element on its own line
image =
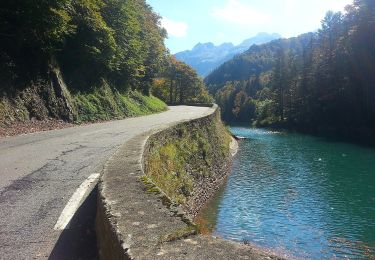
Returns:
<point x="40" y="172"/>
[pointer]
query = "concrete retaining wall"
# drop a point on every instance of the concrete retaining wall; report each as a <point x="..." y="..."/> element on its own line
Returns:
<point x="190" y="161"/>
<point x="138" y="220"/>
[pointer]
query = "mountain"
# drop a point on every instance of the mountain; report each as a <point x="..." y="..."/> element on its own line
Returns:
<point x="322" y="82"/>
<point x="205" y="57"/>
<point x="258" y="59"/>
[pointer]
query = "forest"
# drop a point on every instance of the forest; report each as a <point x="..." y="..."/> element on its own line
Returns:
<point x="107" y="51"/>
<point x="317" y="82"/>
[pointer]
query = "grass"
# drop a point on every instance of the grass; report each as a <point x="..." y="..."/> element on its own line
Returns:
<point x="40" y="101"/>
<point x="22" y="107"/>
<point x="169" y="174"/>
<point x="187" y="156"/>
<point x="105" y="104"/>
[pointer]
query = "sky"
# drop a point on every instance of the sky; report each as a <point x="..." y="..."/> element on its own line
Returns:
<point x="189" y="22"/>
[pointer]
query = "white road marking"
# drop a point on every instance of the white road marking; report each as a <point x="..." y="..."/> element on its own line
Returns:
<point x="75" y="201"/>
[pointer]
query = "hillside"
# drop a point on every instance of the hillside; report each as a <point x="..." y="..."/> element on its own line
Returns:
<point x="317" y="82"/>
<point x="79" y="61"/>
<point x="205" y="57"/>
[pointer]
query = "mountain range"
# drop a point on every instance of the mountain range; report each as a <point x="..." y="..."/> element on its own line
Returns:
<point x="205" y="57"/>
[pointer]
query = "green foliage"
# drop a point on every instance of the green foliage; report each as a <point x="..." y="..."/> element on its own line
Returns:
<point x="105" y="104"/>
<point x="180" y="84"/>
<point x="30" y="31"/>
<point x="314" y="81"/>
<point x="12" y="110"/>
<point x="265" y="113"/>
<point x="39" y="24"/>
<point x="109" y="51"/>
<point x="174" y="166"/>
<point x="237" y="100"/>
<point x="120" y="41"/>
<point x="173" y="179"/>
<point x="128" y="58"/>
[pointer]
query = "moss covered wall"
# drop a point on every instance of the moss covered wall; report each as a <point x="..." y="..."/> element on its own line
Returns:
<point x="190" y="161"/>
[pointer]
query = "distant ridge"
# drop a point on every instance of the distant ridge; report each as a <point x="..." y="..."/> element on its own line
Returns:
<point x="205" y="57"/>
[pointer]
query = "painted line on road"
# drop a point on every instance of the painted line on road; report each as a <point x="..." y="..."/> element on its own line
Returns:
<point x="75" y="201"/>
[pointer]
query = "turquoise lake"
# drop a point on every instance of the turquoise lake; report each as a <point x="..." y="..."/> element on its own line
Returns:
<point x="298" y="195"/>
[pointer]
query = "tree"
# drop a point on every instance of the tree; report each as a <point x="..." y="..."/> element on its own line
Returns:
<point x="183" y="84"/>
<point x="32" y="30"/>
<point x="322" y="80"/>
<point x="279" y="81"/>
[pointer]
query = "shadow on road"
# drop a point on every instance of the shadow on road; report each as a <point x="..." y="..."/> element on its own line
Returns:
<point x="79" y="240"/>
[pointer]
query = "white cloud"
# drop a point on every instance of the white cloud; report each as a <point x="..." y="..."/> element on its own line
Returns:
<point x="175" y="29"/>
<point x="338" y="5"/>
<point x="317" y="6"/>
<point x="239" y="13"/>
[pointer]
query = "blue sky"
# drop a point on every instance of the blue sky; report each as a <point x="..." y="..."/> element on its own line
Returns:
<point x="191" y="21"/>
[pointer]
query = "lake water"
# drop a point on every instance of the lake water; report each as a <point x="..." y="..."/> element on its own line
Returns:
<point x="302" y="196"/>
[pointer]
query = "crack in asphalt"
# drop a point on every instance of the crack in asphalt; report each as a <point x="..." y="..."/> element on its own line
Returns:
<point x="79" y="147"/>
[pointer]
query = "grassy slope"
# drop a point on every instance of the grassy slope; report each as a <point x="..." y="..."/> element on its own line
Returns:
<point x="40" y="102"/>
<point x="106" y="106"/>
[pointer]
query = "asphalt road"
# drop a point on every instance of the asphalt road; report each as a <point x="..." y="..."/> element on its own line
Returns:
<point x="40" y="172"/>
